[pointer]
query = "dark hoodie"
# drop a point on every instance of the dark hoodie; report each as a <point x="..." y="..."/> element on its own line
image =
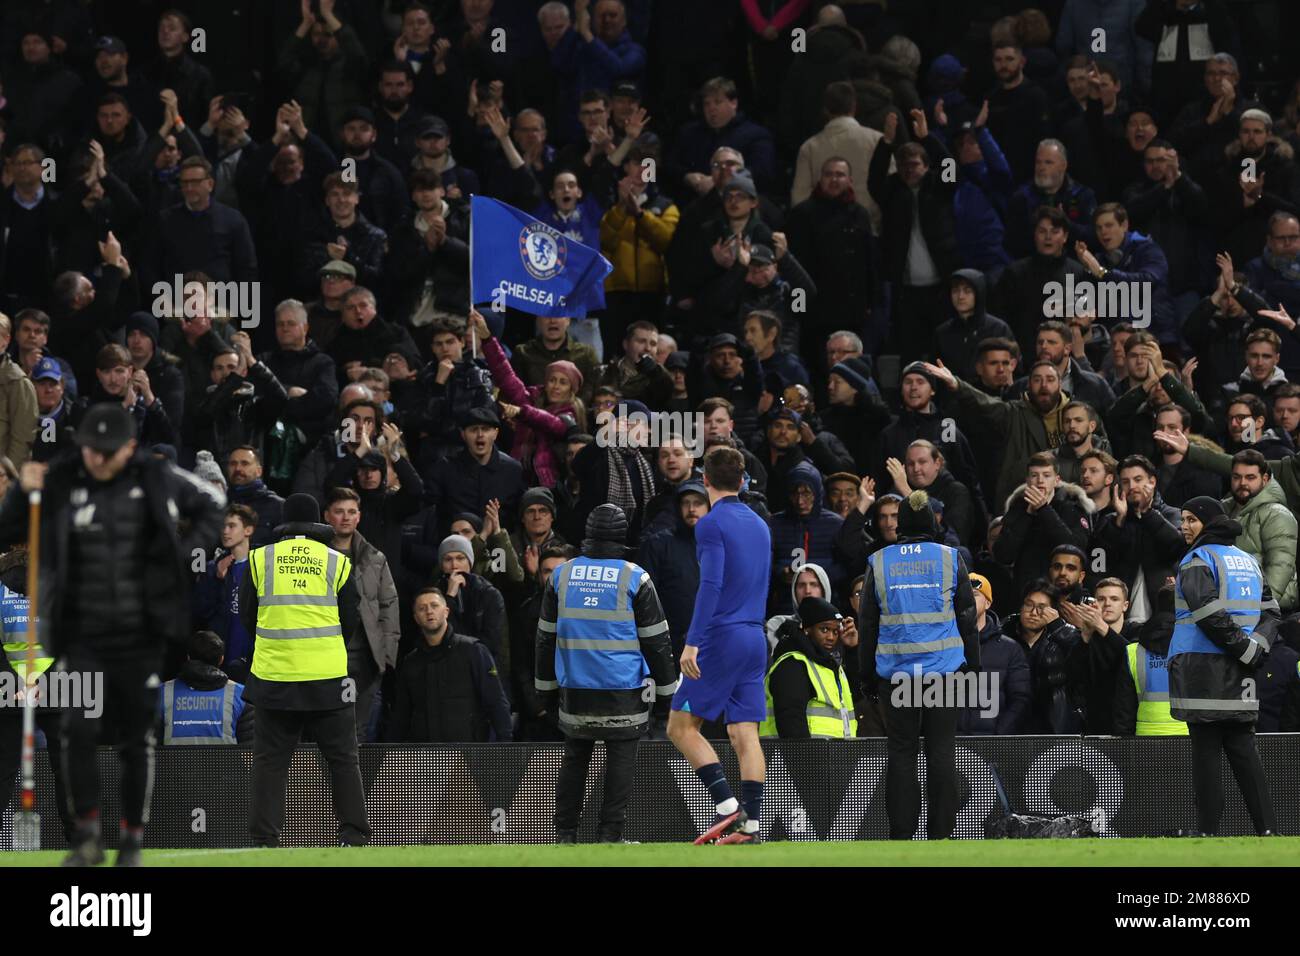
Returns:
<point x="797" y="540"/>
<point x="1001" y="655"/>
<point x="670" y="560"/>
<point x="200" y="675"/>
<point x="955" y="340"/>
<point x="789" y="684"/>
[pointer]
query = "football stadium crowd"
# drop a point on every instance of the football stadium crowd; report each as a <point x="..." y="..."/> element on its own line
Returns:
<point x="1041" y="263"/>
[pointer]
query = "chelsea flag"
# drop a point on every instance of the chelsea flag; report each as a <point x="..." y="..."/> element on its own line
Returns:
<point x="523" y="263"/>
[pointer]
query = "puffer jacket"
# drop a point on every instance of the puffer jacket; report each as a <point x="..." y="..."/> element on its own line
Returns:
<point x="636" y="245"/>
<point x="184" y="513"/>
<point x="535" y="428"/>
<point x="797" y="540"/>
<point x="1056" y="705"/>
<point x="1027" y="540"/>
<point x="1222" y="676"/>
<point x="1268" y="534"/>
<point x="1001" y="655"/>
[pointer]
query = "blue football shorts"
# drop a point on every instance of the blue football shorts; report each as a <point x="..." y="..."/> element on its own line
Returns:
<point x="732" y="668"/>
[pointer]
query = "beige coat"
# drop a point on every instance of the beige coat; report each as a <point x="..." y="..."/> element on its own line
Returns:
<point x="843" y="136"/>
<point x="18" y="412"/>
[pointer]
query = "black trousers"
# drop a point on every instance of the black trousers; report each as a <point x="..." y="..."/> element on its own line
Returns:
<point x="571" y="785"/>
<point x="904" y="727"/>
<point x="128" y="720"/>
<point x="1237" y="740"/>
<point x="11" y="755"/>
<point x="278" y="733"/>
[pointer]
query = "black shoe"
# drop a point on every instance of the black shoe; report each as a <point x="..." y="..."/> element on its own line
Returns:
<point x="86" y="849"/>
<point x="566" y="836"/>
<point x="128" y="851"/>
<point x="609" y="836"/>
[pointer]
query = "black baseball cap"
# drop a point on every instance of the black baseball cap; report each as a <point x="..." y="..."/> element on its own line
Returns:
<point x="106" y="428"/>
<point x="480" y="415"/>
<point x="110" y="44"/>
<point x="431" y="126"/>
<point x="357" y="113"/>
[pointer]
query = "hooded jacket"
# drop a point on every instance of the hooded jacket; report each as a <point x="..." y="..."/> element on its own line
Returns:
<point x="1268" y="534"/>
<point x="1221" y="676"/>
<point x="777" y="622"/>
<point x="200" y="675"/>
<point x="797" y="540"/>
<point x="956" y="339"/>
<point x="1004" y="656"/>
<point x="670" y="560"/>
<point x="584" y="708"/>
<point x="1027" y="539"/>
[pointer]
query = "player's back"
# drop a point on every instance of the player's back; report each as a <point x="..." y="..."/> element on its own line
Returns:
<point x="746" y="545"/>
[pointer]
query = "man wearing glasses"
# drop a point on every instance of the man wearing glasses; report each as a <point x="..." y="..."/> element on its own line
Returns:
<point x="201" y="235"/>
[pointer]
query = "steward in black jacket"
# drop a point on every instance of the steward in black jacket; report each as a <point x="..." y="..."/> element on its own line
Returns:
<point x="585" y="713"/>
<point x="1215" y="693"/>
<point x="132" y="585"/>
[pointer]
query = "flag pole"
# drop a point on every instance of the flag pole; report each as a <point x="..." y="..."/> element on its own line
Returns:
<point x="473" y="334"/>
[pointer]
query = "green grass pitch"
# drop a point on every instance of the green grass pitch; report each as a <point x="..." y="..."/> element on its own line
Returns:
<point x="1222" y="851"/>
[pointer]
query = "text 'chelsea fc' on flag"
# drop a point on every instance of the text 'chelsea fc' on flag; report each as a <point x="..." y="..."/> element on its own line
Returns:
<point x="523" y="263"/>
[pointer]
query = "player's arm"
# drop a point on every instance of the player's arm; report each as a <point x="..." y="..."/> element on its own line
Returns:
<point x="713" y="563"/>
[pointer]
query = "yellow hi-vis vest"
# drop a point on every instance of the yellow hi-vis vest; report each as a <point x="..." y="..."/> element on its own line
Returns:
<point x="1153" y="716"/>
<point x="15" y="627"/>
<point x="299" y="637"/>
<point x="830" y="712"/>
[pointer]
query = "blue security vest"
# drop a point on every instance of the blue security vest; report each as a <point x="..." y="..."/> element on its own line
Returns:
<point x="597" y="646"/>
<point x="201" y="716"/>
<point x="1241" y="592"/>
<point x="916" y="587"/>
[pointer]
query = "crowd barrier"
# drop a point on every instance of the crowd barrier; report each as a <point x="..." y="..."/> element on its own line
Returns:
<point x="816" y="790"/>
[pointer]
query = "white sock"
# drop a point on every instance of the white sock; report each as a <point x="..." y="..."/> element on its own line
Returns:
<point x="751" y="826"/>
<point x="728" y="807"/>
